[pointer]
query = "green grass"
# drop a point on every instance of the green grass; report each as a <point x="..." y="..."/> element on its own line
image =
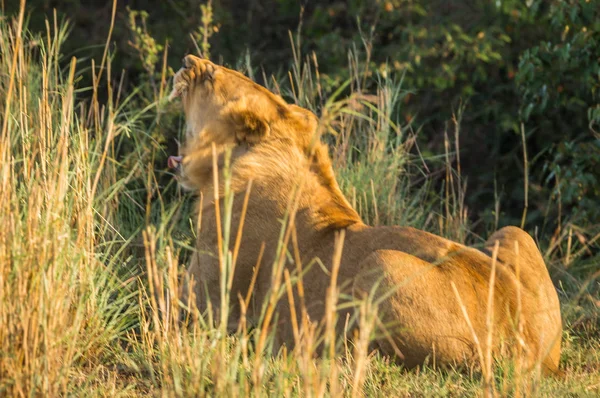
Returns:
<point x="95" y="234"/>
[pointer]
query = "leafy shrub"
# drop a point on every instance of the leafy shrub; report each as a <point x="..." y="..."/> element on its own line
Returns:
<point x="559" y="85"/>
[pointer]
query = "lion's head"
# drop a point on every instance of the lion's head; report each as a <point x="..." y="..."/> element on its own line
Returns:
<point x="267" y="136"/>
<point x="225" y="108"/>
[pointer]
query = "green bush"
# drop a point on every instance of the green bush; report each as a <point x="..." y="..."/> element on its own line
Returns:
<point x="558" y="81"/>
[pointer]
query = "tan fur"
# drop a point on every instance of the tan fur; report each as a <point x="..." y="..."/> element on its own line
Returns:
<point x="274" y="145"/>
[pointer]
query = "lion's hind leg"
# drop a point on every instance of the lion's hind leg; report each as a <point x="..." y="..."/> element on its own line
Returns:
<point x="419" y="319"/>
<point x="540" y="307"/>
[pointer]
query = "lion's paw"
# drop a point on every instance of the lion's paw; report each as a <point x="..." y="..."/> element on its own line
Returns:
<point x="195" y="70"/>
<point x="199" y="69"/>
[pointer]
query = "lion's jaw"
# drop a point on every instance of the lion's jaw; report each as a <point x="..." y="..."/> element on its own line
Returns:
<point x="203" y="131"/>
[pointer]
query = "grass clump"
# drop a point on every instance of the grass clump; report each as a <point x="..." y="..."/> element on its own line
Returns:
<point x="63" y="309"/>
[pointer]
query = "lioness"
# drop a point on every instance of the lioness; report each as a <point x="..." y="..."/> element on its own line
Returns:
<point x="272" y="145"/>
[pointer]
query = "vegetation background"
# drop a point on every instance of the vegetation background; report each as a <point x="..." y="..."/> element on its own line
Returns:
<point x="484" y="113"/>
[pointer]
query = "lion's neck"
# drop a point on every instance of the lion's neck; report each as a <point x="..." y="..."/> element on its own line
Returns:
<point x="285" y="177"/>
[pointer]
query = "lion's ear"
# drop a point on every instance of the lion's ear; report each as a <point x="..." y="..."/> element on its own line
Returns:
<point x="249" y="127"/>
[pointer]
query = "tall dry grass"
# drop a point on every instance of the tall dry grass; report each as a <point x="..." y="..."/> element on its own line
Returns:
<point x="61" y="306"/>
<point x="70" y="311"/>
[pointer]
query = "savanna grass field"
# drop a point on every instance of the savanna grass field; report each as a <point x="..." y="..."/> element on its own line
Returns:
<point x="453" y="117"/>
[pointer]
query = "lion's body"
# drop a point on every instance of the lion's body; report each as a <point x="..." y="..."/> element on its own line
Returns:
<point x="273" y="146"/>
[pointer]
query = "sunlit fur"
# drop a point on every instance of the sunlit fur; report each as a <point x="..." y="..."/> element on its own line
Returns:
<point x="276" y="145"/>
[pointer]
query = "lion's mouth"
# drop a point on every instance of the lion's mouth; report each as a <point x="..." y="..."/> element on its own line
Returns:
<point x="174" y="162"/>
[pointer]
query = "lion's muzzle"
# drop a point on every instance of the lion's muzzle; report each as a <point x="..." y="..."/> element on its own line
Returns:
<point x="174" y="162"/>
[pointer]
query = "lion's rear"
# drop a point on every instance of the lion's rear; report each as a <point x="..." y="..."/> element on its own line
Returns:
<point x="517" y="249"/>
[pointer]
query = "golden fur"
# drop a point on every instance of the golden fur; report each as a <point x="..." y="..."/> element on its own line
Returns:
<point x="274" y="145"/>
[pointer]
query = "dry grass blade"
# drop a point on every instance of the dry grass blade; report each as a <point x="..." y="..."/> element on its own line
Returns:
<point x="526" y="175"/>
<point x="489" y="322"/>
<point x="293" y="316"/>
<point x="4" y="138"/>
<point x="216" y="201"/>
<point x="519" y="325"/>
<point x="367" y="316"/>
<point x="255" y="272"/>
<point x="238" y="238"/>
<point x="465" y="313"/>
